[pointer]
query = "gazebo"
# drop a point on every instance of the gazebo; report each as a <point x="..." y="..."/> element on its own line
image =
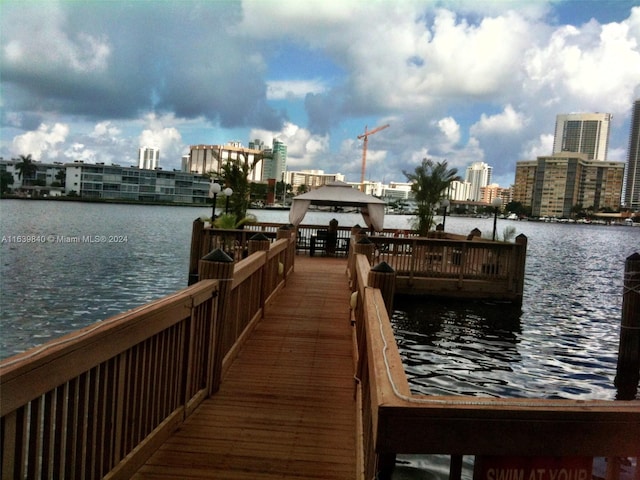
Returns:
<point x="339" y="194"/>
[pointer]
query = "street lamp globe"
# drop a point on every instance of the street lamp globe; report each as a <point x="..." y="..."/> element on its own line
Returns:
<point x="227" y="192"/>
<point x="445" y="204"/>
<point x="214" y="190"/>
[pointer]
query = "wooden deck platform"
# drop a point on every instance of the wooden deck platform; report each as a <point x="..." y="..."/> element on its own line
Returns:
<point x="286" y="408"/>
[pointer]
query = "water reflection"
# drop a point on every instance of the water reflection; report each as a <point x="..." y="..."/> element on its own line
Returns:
<point x="458" y="348"/>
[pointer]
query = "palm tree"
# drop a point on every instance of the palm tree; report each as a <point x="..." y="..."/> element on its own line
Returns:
<point x="235" y="174"/>
<point x="26" y="168"/>
<point x="429" y="182"/>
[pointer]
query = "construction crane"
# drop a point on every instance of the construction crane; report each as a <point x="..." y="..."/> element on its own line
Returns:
<point x="365" y="135"/>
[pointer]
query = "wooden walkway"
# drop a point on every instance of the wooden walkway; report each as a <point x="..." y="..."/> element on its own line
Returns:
<point x="286" y="407"/>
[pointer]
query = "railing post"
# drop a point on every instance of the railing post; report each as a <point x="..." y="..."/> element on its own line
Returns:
<point x="364" y="246"/>
<point x="259" y="243"/>
<point x="628" y="369"/>
<point x="218" y="265"/>
<point x="284" y="232"/>
<point x="521" y="260"/>
<point x="197" y="230"/>
<point x="383" y="277"/>
<point x="360" y="234"/>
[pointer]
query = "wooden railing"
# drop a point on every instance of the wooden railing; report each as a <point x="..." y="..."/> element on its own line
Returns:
<point x="453" y="266"/>
<point x="396" y="421"/>
<point x="97" y="403"/>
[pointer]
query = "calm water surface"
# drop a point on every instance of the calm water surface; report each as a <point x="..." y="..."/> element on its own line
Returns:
<point x="563" y="343"/>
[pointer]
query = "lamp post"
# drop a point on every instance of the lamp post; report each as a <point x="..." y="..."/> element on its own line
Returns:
<point x="496" y="203"/>
<point x="227" y="192"/>
<point x="445" y="203"/>
<point x="214" y="190"/>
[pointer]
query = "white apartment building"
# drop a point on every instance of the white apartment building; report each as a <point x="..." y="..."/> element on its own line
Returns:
<point x="460" y="191"/>
<point x="148" y="158"/>
<point x="210" y="158"/>
<point x="311" y="178"/>
<point x="478" y="175"/>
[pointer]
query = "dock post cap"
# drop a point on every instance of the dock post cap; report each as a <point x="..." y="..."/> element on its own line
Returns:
<point x="260" y="237"/>
<point x="217" y="255"/>
<point x="383" y="267"/>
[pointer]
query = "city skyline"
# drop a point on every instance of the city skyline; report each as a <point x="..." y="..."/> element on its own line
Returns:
<point x="457" y="80"/>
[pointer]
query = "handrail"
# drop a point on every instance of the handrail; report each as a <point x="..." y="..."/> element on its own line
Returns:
<point x="469" y="268"/>
<point x="98" y="402"/>
<point x="85" y="402"/>
<point x="396" y="421"/>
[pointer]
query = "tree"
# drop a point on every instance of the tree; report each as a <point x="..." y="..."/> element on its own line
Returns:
<point x="429" y="182"/>
<point x="26" y="168"/>
<point x="303" y="188"/>
<point x="518" y="208"/>
<point x="235" y="175"/>
<point x="282" y="187"/>
<point x="6" y="179"/>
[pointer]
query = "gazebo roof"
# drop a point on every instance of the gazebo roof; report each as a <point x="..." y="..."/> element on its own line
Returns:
<point x="339" y="194"/>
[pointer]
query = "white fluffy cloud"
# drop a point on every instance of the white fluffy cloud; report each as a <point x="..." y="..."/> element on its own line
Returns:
<point x="463" y="81"/>
<point x="304" y="149"/>
<point x="450" y="128"/>
<point x="161" y="133"/>
<point x="507" y="121"/>
<point x="41" y="143"/>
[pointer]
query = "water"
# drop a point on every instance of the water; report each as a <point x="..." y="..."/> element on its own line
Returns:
<point x="91" y="261"/>
<point x="563" y="343"/>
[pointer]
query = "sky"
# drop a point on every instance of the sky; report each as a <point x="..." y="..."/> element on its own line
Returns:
<point x="455" y="80"/>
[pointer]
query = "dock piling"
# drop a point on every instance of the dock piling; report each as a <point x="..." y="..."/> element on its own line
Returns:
<point x="628" y="370"/>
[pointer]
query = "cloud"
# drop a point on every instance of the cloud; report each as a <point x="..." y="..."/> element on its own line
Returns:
<point x="292" y="89"/>
<point x="163" y="137"/>
<point x="507" y="121"/>
<point x="42" y="143"/>
<point x="587" y="68"/>
<point x="304" y="149"/>
<point x="458" y="80"/>
<point x="450" y="128"/>
<point x="539" y="147"/>
<point x="117" y="60"/>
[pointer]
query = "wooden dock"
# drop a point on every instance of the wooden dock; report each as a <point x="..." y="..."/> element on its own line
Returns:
<point x="286" y="408"/>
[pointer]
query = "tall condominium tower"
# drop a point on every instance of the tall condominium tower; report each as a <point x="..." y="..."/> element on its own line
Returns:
<point x="586" y="133"/>
<point x="554" y="185"/>
<point x="478" y="175"/>
<point x="632" y="174"/>
<point x="275" y="161"/>
<point x="148" y="158"/>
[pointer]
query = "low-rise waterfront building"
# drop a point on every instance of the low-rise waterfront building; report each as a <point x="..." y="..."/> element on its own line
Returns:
<point x="111" y="182"/>
<point x="311" y="178"/>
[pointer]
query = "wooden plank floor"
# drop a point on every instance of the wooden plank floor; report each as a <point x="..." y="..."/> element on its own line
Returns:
<point x="286" y="408"/>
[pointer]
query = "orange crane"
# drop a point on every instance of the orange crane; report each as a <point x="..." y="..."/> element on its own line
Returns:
<point x="365" y="135"/>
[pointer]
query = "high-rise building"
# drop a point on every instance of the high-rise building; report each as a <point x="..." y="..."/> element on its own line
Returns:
<point x="586" y="133"/>
<point x="211" y="159"/>
<point x="553" y="186"/>
<point x="275" y="161"/>
<point x="478" y="175"/>
<point x="148" y="158"/>
<point x="632" y="173"/>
